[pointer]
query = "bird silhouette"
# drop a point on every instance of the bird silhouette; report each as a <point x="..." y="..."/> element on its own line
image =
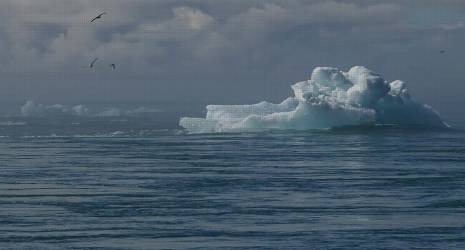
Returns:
<point x="98" y="17"/>
<point x="442" y="51"/>
<point x="91" y="65"/>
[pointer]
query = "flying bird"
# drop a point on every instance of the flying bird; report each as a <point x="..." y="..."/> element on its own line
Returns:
<point x="442" y="51"/>
<point x="113" y="66"/>
<point x="98" y="17"/>
<point x="91" y="65"/>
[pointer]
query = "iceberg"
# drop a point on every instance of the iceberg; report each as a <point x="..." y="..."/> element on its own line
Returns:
<point x="32" y="109"/>
<point x="40" y="110"/>
<point x="331" y="98"/>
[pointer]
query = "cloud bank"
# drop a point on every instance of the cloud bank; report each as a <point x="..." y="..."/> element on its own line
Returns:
<point x="168" y="49"/>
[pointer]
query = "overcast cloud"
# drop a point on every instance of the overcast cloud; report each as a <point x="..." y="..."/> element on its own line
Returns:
<point x="223" y="51"/>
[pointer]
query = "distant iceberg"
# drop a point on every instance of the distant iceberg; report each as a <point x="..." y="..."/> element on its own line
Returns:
<point x="330" y="99"/>
<point x="32" y="109"/>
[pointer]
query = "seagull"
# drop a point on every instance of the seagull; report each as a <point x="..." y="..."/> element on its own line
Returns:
<point x="113" y="66"/>
<point x="91" y="65"/>
<point x="98" y="17"/>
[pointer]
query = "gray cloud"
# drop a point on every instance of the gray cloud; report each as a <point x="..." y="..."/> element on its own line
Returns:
<point x="220" y="50"/>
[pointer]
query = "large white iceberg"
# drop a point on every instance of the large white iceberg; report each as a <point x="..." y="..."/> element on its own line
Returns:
<point x="331" y="98"/>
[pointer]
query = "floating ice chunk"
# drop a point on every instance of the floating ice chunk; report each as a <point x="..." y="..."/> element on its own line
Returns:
<point x="367" y="87"/>
<point x="399" y="88"/>
<point x="404" y="111"/>
<point x="234" y="112"/>
<point x="330" y="78"/>
<point x="41" y="110"/>
<point x="325" y="81"/>
<point x="80" y="110"/>
<point x="33" y="109"/>
<point x="331" y="98"/>
<point x="304" y="116"/>
<point x="200" y="125"/>
<point x="109" y="112"/>
<point x="302" y="88"/>
<point x="308" y="116"/>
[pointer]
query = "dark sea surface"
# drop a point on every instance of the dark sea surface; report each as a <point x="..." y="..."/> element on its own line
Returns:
<point x="139" y="182"/>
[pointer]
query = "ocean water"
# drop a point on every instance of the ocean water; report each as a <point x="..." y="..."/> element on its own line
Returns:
<point x="139" y="182"/>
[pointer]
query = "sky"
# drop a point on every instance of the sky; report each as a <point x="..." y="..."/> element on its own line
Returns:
<point x="224" y="51"/>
